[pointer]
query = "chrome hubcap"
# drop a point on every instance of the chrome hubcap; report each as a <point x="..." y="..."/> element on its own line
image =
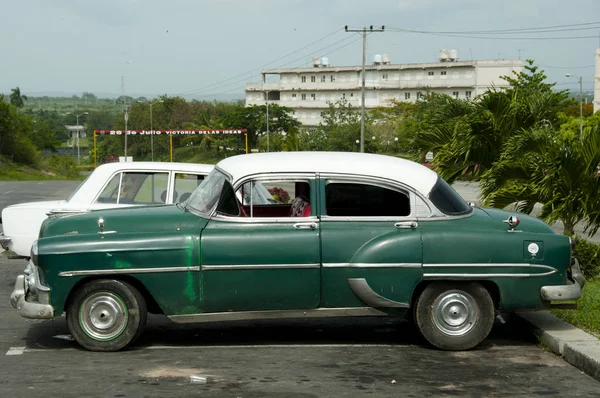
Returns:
<point x="103" y="315"/>
<point x="455" y="313"/>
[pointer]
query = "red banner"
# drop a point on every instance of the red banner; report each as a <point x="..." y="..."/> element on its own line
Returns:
<point x="169" y="132"/>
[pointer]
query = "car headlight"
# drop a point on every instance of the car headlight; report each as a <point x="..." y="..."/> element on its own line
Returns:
<point x="34" y="252"/>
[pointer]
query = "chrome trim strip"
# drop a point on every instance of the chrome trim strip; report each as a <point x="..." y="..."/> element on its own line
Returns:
<point x="371" y="265"/>
<point x="256" y="266"/>
<point x="488" y="276"/>
<point x="127" y="271"/>
<point x="484" y="265"/>
<point x="265" y="220"/>
<point x="276" y="314"/>
<point x="363" y="291"/>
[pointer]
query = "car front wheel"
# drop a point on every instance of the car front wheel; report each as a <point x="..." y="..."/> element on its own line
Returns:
<point x="454" y="316"/>
<point x="106" y="315"/>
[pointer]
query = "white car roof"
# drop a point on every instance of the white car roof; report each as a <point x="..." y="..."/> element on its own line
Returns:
<point x="102" y="173"/>
<point x="401" y="170"/>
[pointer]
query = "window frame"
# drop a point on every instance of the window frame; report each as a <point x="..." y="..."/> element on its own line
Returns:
<point x="374" y="181"/>
<point x="170" y="183"/>
<point x="311" y="178"/>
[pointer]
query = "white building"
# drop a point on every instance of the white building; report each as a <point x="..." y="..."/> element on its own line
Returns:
<point x="308" y="91"/>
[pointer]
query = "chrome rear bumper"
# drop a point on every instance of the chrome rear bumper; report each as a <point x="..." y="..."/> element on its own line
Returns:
<point x="572" y="291"/>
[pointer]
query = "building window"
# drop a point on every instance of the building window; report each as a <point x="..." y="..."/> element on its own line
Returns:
<point x="418" y="95"/>
<point x="303" y="97"/>
<point x="443" y="73"/>
<point x="323" y="79"/>
<point x="332" y="78"/>
<point x="384" y="76"/>
<point x="343" y="95"/>
<point x="313" y="97"/>
<point x="294" y="95"/>
<point x="352" y="94"/>
<point x="455" y="94"/>
<point x="406" y="96"/>
<point x="430" y="73"/>
<point x="313" y="79"/>
<point x="303" y="79"/>
<point x="468" y="94"/>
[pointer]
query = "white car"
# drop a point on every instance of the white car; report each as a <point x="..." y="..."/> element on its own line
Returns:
<point x="110" y="185"/>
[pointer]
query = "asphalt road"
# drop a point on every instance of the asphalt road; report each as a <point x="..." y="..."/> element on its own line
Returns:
<point x="303" y="358"/>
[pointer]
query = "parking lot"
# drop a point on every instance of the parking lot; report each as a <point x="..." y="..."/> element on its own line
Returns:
<point x="301" y="358"/>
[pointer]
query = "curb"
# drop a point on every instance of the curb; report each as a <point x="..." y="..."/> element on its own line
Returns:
<point x="577" y="347"/>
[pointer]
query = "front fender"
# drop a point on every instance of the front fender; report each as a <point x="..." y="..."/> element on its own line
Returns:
<point x="166" y="264"/>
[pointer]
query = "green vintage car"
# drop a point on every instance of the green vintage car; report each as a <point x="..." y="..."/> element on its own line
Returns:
<point x="298" y="235"/>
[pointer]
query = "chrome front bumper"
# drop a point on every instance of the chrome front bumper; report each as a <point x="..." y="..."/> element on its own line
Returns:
<point x="572" y="291"/>
<point x="30" y="297"/>
<point x="4" y="241"/>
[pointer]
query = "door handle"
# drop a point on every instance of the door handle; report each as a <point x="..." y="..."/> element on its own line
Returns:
<point x="305" y="225"/>
<point x="406" y="225"/>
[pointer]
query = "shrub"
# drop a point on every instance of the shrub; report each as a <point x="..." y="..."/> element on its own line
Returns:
<point x="588" y="254"/>
<point x="63" y="165"/>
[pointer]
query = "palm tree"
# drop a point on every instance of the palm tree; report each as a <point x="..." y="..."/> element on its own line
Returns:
<point x="16" y="98"/>
<point x="540" y="166"/>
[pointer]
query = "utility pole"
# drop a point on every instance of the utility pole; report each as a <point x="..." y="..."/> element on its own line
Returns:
<point x="363" y="32"/>
<point x="77" y="117"/>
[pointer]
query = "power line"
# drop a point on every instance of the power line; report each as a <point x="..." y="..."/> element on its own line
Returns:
<point x="229" y="81"/>
<point x="493" y="38"/>
<point x="526" y="30"/>
<point x="262" y="66"/>
<point x="566" y="67"/>
<point x="243" y="80"/>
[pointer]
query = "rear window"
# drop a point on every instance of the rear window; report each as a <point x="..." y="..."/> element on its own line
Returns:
<point x="445" y="198"/>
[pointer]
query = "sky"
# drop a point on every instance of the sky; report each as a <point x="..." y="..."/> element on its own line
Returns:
<point x="210" y="48"/>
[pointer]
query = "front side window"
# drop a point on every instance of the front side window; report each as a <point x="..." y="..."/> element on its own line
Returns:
<point x="275" y="198"/>
<point x="345" y="199"/>
<point x="140" y="188"/>
<point x="447" y="200"/>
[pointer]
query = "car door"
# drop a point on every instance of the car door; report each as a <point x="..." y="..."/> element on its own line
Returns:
<point x="370" y="242"/>
<point x="266" y="255"/>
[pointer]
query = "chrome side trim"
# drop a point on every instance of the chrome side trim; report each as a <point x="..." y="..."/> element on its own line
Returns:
<point x="363" y="291"/>
<point x="276" y="314"/>
<point x="371" y="265"/>
<point x="67" y="211"/>
<point x="127" y="271"/>
<point x="256" y="266"/>
<point x="488" y="276"/>
<point x="487" y="265"/>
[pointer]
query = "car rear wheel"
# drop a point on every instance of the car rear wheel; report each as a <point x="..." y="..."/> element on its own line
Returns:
<point x="106" y="315"/>
<point x="454" y="316"/>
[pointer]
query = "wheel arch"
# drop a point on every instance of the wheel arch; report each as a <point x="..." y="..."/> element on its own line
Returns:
<point x="151" y="302"/>
<point x="491" y="287"/>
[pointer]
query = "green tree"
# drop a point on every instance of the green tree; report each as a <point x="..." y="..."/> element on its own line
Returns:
<point x="14" y="141"/>
<point x="340" y="127"/>
<point x="557" y="170"/>
<point x="16" y="98"/>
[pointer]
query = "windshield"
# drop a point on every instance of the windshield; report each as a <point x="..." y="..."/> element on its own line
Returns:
<point x="77" y="189"/>
<point x="445" y="198"/>
<point x="205" y="197"/>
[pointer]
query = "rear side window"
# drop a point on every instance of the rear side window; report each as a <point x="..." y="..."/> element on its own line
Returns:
<point x="364" y="200"/>
<point x="445" y="198"/>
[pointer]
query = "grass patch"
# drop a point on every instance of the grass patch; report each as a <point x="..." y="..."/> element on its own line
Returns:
<point x="587" y="316"/>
